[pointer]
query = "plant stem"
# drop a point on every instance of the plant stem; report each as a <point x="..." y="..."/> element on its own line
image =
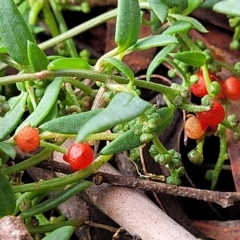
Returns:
<point x="53" y="147"/>
<point x="157" y="143"/>
<point x="77" y="83"/>
<point x="79" y="29"/>
<point x="63" y="28"/>
<point x="32" y="161"/>
<point x="63" y="181"/>
<point x="221" y="157"/>
<point x="53" y="226"/>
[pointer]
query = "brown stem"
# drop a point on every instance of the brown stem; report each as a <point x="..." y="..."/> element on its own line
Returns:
<point x="224" y="199"/>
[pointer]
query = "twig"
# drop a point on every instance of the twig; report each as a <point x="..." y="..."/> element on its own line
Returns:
<point x="224" y="199"/>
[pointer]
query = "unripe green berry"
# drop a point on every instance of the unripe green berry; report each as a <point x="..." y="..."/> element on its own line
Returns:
<point x="134" y="154"/>
<point x="195" y="157"/>
<point x="184" y="92"/>
<point x="25" y="204"/>
<point x="39" y="92"/>
<point x="153" y="150"/>
<point x="173" y="180"/>
<point x="233" y="120"/>
<point x="86" y="102"/>
<point x="200" y="44"/>
<point x="177" y="101"/>
<point x="85" y="54"/>
<point x="235" y="45"/>
<point x="194" y="79"/>
<point x="207" y="101"/>
<point x="233" y="21"/>
<point x="208" y="175"/>
<point x="85" y="6"/>
<point x="5" y="107"/>
<point x="146" y="137"/>
<point x="172" y="73"/>
<point x="74" y="109"/>
<point x="214" y="88"/>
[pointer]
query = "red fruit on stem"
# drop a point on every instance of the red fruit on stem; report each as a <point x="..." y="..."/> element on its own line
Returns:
<point x="79" y="156"/>
<point x="212" y="117"/>
<point x="27" y="139"/>
<point x="193" y="128"/>
<point x="199" y="89"/>
<point x="231" y="88"/>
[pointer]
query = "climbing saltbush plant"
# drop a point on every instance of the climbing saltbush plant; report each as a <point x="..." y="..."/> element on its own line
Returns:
<point x="50" y="98"/>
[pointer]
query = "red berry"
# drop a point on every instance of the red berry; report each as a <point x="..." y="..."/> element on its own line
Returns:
<point x="193" y="128"/>
<point x="231" y="88"/>
<point x="79" y="156"/>
<point x="199" y="89"/>
<point x="212" y="117"/>
<point x="28" y="139"/>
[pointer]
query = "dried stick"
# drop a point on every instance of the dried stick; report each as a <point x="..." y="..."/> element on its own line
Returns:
<point x="224" y="199"/>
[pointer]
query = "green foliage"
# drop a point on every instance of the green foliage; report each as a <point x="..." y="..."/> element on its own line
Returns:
<point x="128" y="24"/>
<point x="14" y="32"/>
<point x="7" y="197"/>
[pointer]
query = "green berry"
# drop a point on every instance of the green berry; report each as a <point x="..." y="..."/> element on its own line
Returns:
<point x="173" y="180"/>
<point x="208" y="175"/>
<point x="214" y="88"/>
<point x="235" y="45"/>
<point x="146" y="137"/>
<point x="195" y="157"/>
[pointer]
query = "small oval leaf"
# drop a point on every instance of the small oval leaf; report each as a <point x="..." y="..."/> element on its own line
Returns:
<point x="14" y="32"/>
<point x="178" y="27"/>
<point x="195" y="23"/>
<point x="7" y="149"/>
<point x="195" y="59"/>
<point x="7" y="197"/>
<point x="69" y="124"/>
<point x="230" y="7"/>
<point x="160" y="8"/>
<point x="124" y="142"/>
<point x="122" y="67"/>
<point x="192" y="5"/>
<point x="37" y="58"/>
<point x="128" y="24"/>
<point x="159" y="58"/>
<point x="63" y="233"/>
<point x="153" y="41"/>
<point x="69" y="63"/>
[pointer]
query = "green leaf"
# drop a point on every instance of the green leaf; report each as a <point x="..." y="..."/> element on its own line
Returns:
<point x="122" y="67"/>
<point x="69" y="124"/>
<point x="230" y="7"/>
<point x="123" y="107"/>
<point x="195" y="59"/>
<point x="45" y="105"/>
<point x="124" y="142"/>
<point x="159" y="58"/>
<point x="192" y="5"/>
<point x="63" y="233"/>
<point x="178" y="27"/>
<point x="160" y="8"/>
<point x="14" y="32"/>
<point x="69" y="63"/>
<point x="7" y="149"/>
<point x="167" y="115"/>
<point x="195" y="23"/>
<point x="128" y="24"/>
<point x="208" y="4"/>
<point x="153" y="41"/>
<point x="7" y="197"/>
<point x="37" y="57"/>
<point x="12" y="118"/>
